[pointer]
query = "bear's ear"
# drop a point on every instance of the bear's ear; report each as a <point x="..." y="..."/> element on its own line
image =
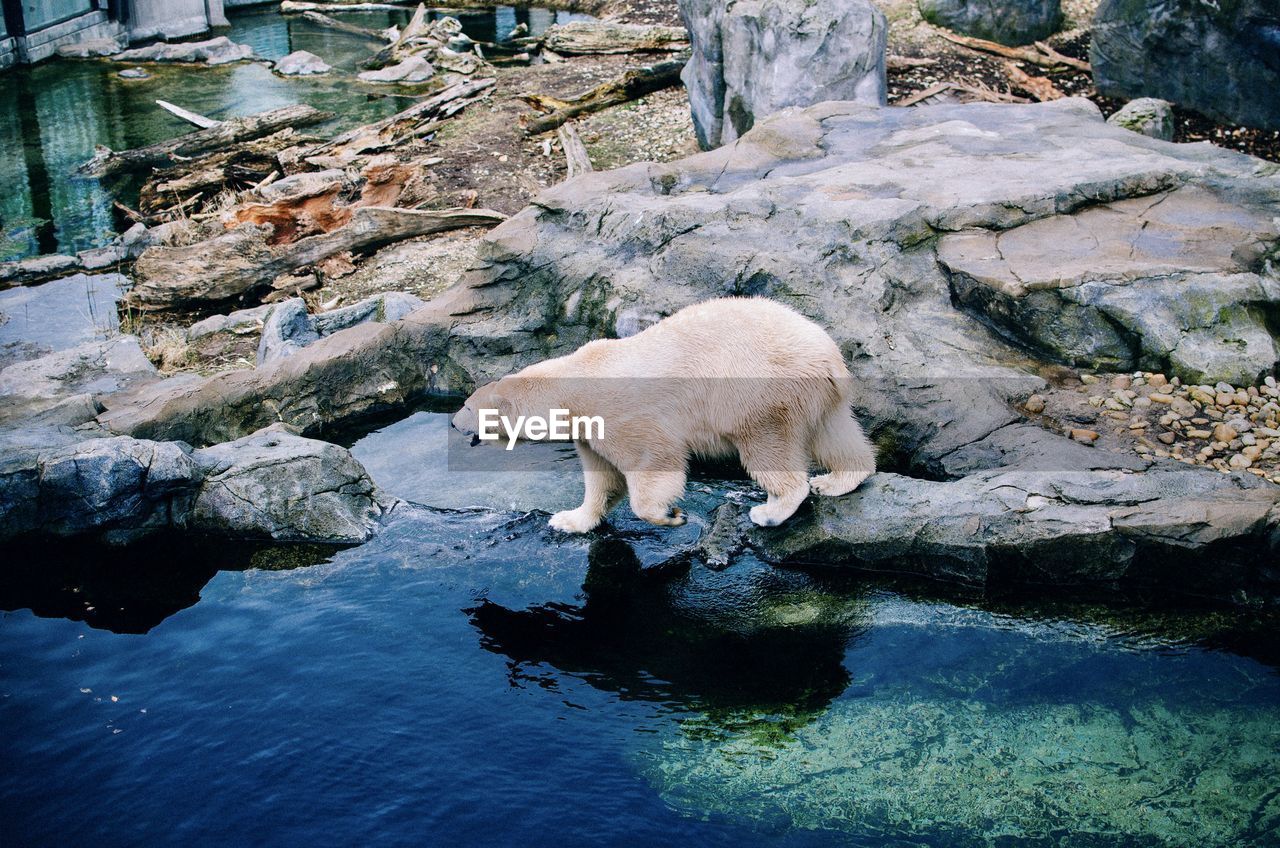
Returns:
<point x="497" y="400"/>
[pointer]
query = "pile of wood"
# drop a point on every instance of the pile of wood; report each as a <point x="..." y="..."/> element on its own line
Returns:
<point x="266" y="207"/>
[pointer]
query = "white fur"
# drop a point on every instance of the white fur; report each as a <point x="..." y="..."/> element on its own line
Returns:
<point x="737" y="375"/>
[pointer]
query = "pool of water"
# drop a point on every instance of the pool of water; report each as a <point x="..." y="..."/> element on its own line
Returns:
<point x="470" y="678"/>
<point x="52" y="115"/>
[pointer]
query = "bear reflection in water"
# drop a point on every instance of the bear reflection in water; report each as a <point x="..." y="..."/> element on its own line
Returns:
<point x="672" y="633"/>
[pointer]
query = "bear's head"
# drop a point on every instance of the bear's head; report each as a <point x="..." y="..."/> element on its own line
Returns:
<point x="486" y="400"/>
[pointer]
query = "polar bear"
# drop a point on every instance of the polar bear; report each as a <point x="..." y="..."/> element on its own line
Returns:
<point x="734" y="375"/>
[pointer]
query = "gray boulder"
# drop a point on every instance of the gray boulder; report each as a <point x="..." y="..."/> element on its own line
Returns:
<point x="301" y="63"/>
<point x="92" y="48"/>
<point x="1062" y="528"/>
<point x="273" y="484"/>
<point x="289" y="327"/>
<point x="94" y="367"/>
<point x="269" y="485"/>
<point x="213" y="51"/>
<point x="1220" y="59"/>
<point x="1146" y="115"/>
<point x="411" y="70"/>
<point x="1161" y="281"/>
<point x="752" y="58"/>
<point x="1010" y="22"/>
<point x="118" y="487"/>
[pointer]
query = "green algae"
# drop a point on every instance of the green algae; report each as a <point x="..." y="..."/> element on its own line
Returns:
<point x="964" y="726"/>
<point x="1152" y="773"/>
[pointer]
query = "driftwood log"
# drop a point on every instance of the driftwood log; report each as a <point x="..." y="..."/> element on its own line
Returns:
<point x="631" y="85"/>
<point x="985" y="94"/>
<point x="575" y="152"/>
<point x="107" y="163"/>
<point x="321" y="19"/>
<point x="1041" y="88"/>
<point x="1042" y="54"/>
<point x="288" y="7"/>
<point x="240" y="166"/>
<point x="586" y="37"/>
<point x="398" y="50"/>
<point x="413" y="121"/>
<point x="190" y="117"/>
<point x="240" y="262"/>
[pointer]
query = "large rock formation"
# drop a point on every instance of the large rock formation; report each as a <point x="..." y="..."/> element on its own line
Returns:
<point x="899" y="231"/>
<point x="1221" y="59"/>
<point x="1011" y="22"/>
<point x="269" y="485"/>
<point x="877" y="223"/>
<point x="754" y="57"/>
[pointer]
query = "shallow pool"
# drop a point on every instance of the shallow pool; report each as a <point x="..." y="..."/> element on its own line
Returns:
<point x="470" y="678"/>
<point x="52" y="115"/>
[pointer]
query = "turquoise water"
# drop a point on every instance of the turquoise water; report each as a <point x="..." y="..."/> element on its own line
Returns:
<point x="470" y="678"/>
<point x="52" y="115"/>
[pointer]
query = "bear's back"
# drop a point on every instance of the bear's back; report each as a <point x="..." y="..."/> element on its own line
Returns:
<point x="737" y="337"/>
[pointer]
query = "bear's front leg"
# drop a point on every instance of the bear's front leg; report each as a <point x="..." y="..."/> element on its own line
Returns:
<point x="602" y="487"/>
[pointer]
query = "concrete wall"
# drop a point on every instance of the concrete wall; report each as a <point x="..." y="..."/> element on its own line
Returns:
<point x="38" y="46"/>
<point x="172" y="19"/>
<point x="146" y="20"/>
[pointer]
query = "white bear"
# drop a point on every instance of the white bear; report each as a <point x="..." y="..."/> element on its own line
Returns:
<point x="735" y="375"/>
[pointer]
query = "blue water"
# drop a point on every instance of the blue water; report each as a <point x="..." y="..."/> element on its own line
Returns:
<point x="469" y="678"/>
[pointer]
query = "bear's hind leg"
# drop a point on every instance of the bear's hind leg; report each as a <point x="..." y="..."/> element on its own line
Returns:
<point x="653" y="492"/>
<point x="778" y="463"/>
<point x="840" y="446"/>
<point x="602" y="487"/>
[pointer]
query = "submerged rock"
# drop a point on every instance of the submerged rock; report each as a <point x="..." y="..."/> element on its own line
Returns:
<point x="1219" y="59"/>
<point x="1010" y="22"/>
<point x="900" y="765"/>
<point x="754" y="57"/>
<point x="301" y="63"/>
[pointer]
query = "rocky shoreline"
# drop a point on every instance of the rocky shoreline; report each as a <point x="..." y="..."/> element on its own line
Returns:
<point x="977" y="263"/>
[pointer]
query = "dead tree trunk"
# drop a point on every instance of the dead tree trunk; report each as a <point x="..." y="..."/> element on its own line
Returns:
<point x="341" y="26"/>
<point x="631" y="85"/>
<point x="240" y="261"/>
<point x="584" y="37"/>
<point x="241" y="166"/>
<point x="388" y="131"/>
<point x="106" y="163"/>
<point x="575" y="152"/>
